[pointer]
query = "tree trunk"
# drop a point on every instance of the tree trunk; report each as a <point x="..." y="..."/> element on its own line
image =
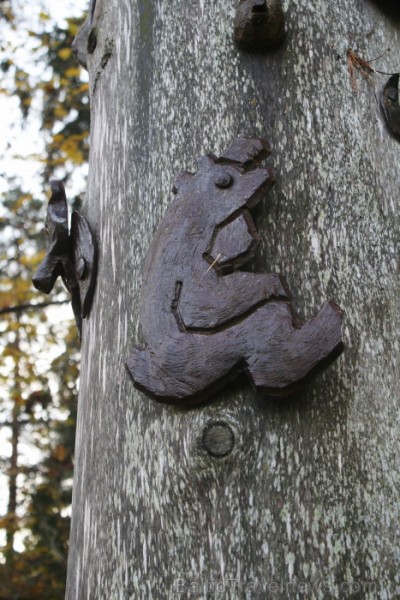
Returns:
<point x="305" y="505"/>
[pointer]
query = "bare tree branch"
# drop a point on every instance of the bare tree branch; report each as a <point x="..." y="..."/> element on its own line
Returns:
<point x="22" y="307"/>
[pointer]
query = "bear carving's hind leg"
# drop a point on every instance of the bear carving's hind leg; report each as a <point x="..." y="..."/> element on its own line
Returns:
<point x="290" y="355"/>
<point x="276" y="355"/>
<point x="188" y="367"/>
<point x="152" y="373"/>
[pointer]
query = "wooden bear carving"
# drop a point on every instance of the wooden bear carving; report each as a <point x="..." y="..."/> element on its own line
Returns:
<point x="202" y="321"/>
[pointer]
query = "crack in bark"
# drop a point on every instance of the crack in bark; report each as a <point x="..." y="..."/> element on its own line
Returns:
<point x="108" y="50"/>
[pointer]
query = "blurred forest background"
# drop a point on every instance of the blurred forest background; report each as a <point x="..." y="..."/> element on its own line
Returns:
<point x="39" y="350"/>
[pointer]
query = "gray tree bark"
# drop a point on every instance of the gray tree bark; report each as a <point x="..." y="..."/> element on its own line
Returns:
<point x="306" y="505"/>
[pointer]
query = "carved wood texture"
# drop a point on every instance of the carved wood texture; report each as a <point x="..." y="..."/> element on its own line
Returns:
<point x="202" y="322"/>
<point x="71" y="256"/>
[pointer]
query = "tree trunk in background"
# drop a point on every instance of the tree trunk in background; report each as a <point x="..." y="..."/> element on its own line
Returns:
<point x="307" y="503"/>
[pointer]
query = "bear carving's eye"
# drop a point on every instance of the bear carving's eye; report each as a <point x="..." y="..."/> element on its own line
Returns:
<point x="223" y="179"/>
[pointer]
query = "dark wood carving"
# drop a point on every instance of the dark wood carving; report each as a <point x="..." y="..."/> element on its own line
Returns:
<point x="202" y="321"/>
<point x="390" y="103"/>
<point x="72" y="256"/>
<point x="259" y="25"/>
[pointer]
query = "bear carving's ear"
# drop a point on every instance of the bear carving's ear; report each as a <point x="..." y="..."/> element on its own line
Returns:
<point x="181" y="179"/>
<point x="246" y="152"/>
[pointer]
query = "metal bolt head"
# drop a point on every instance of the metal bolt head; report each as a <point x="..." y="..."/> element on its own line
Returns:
<point x="218" y="439"/>
<point x="223" y="180"/>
